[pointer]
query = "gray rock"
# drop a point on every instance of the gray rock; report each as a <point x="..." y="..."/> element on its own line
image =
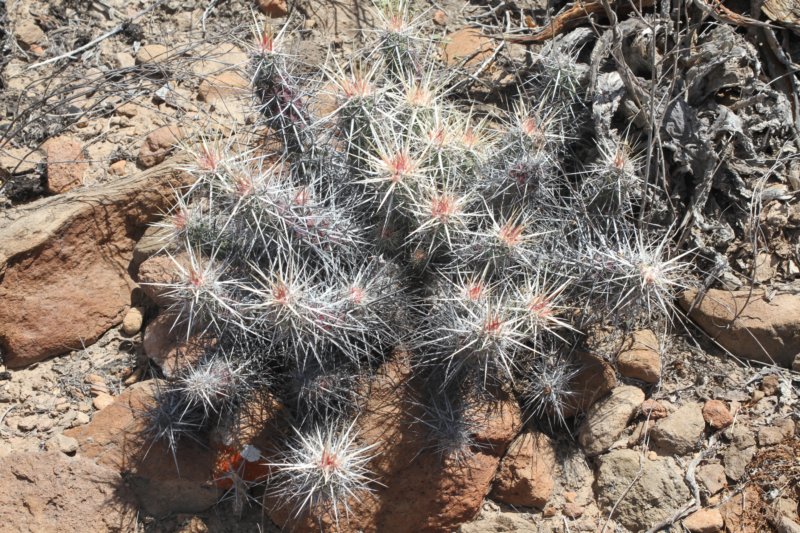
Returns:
<point x="680" y="432"/>
<point x="607" y="419"/>
<point x="657" y="492"/>
<point x="712" y="477"/>
<point x="739" y="453"/>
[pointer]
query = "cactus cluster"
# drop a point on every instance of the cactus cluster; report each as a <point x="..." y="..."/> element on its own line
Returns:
<point x="384" y="211"/>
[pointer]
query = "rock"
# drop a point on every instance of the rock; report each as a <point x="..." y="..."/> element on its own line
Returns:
<point x="162" y="483"/>
<point x="158" y="144"/>
<point x="680" y="432"/>
<point x="159" y="270"/>
<point x="572" y="510"/>
<point x="81" y="419"/>
<point x="741" y="512"/>
<point x="704" y="521"/>
<point x="712" y="477"/>
<point x="717" y="415"/>
<point x="796" y="363"/>
<point x="53" y="492"/>
<point x="594" y="380"/>
<point x="101" y="401"/>
<point x="273" y="8"/>
<point x="739" y="453"/>
<point x="525" y="476"/>
<point x="772" y="435"/>
<point x="28" y="423"/>
<point x="152" y="53"/>
<point x="640" y="357"/>
<point x="440" y="18"/>
<point x="155" y="239"/>
<point x="606" y="420"/>
<point x="468" y="47"/>
<point x="63" y="444"/>
<point x="642" y="498"/>
<point x="75" y="249"/>
<point x="28" y="34"/>
<point x="218" y="58"/>
<point x="499" y="522"/>
<point x="766" y="331"/>
<point x="420" y="490"/>
<point x="123" y="60"/>
<point x="65" y="164"/>
<point x="653" y="409"/>
<point x="132" y="322"/>
<point x="228" y="84"/>
<point x="167" y="345"/>
<point x="117" y="168"/>
<point x="771" y="385"/>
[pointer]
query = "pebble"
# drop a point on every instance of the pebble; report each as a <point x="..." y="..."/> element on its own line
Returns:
<point x="704" y="521"/>
<point x="28" y="423"/>
<point x="81" y="419"/>
<point x="572" y="510"/>
<point x="771" y="385"/>
<point x="62" y="443"/>
<point x="132" y="323"/>
<point x="440" y="18"/>
<point x="717" y="415"/>
<point x="101" y="401"/>
<point x="653" y="409"/>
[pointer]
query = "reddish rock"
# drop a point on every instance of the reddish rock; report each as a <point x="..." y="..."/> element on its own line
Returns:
<point x="704" y="521"/>
<point x="116" y="438"/>
<point x="228" y="84"/>
<point x="467" y="46"/>
<point x="640" y="357"/>
<point x="157" y="271"/>
<point x="273" y="8"/>
<point x="717" y="415"/>
<point x="64" y="263"/>
<point x="738" y="511"/>
<point x="53" y="492"/>
<point x="117" y="168"/>
<point x="440" y="18"/>
<point x="653" y="409"/>
<point x="749" y="325"/>
<point x="421" y="492"/>
<point x="158" y="144"/>
<point x="65" y="164"/>
<point x="525" y="476"/>
<point x="167" y="345"/>
<point x="594" y="380"/>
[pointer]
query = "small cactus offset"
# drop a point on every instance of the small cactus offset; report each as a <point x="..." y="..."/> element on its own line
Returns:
<point x="385" y="212"/>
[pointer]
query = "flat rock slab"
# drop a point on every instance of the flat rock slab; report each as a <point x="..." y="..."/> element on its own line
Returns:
<point x="53" y="492"/>
<point x="748" y="324"/>
<point x="162" y="483"/>
<point x="64" y="260"/>
<point x="642" y="491"/>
